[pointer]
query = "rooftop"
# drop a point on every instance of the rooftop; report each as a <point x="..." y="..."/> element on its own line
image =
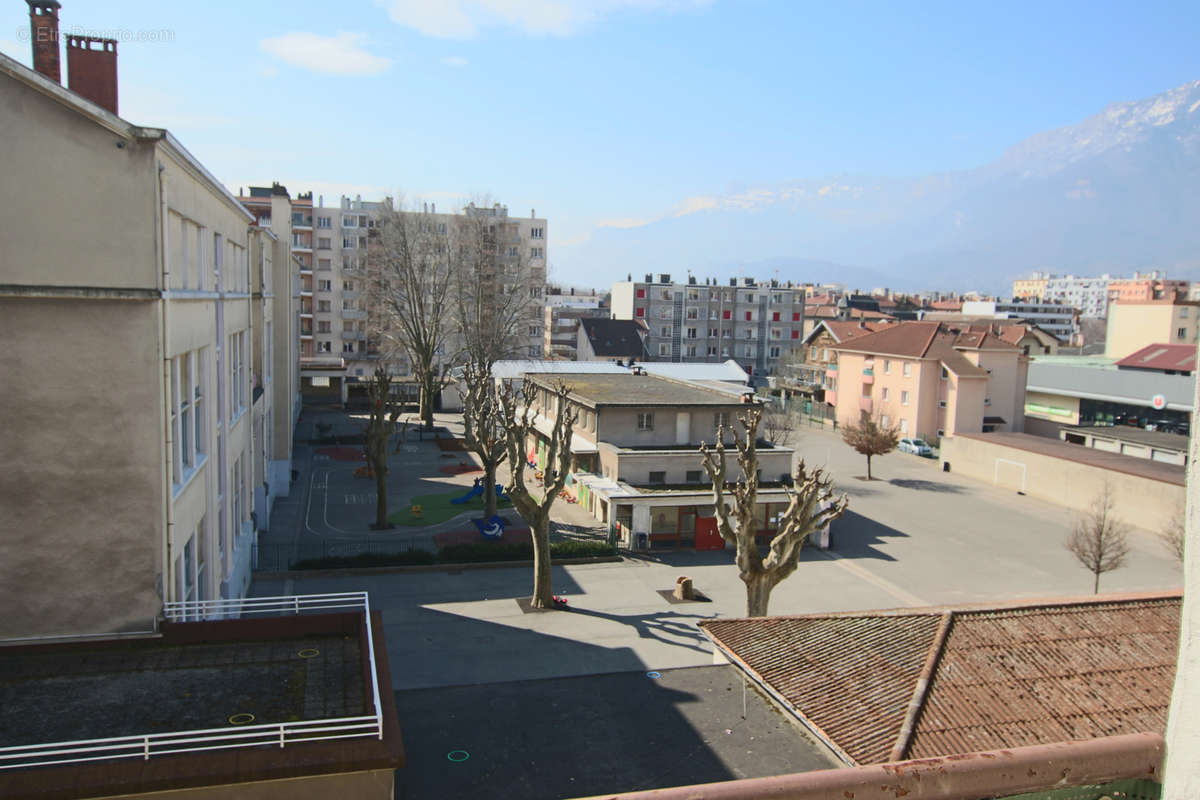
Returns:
<point x="614" y="337"/>
<point x="629" y="389"/>
<point x="1094" y="381"/>
<point x="729" y="371"/>
<point x="1130" y="465"/>
<point x="1127" y="433"/>
<point x="1179" y="357"/>
<point x="920" y="683"/>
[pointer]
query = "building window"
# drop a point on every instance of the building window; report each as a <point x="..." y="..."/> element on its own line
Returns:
<point x="712" y="350"/>
<point x="945" y="374"/>
<point x="664" y="313"/>
<point x="776" y="333"/>
<point x="645" y="421"/>
<point x="641" y="293"/>
<point x="795" y="316"/>
<point x="691" y="333"/>
<point x="324" y="264"/>
<point x="1181" y="333"/>
<point x="325" y="286"/>
<point x="324" y="327"/>
<point x="324" y="347"/>
<point x="691" y="351"/>
<point x="887" y="367"/>
<point x="907" y="369"/>
<point x="903" y="398"/>
<point x="749" y="316"/>
<point x="664" y="349"/>
<point x="639" y="312"/>
<point x="885" y="394"/>
<point x="665" y="332"/>
<point x="323" y="242"/>
<point x="693" y="313"/>
<point x="751" y="351"/>
<point x="775" y="316"/>
<point x="237" y="373"/>
<point x="692" y="476"/>
<point x="537" y="233"/>
<point x="904" y="426"/>
<point x="658" y="477"/>
<point x="796" y="334"/>
<point x="774" y="351"/>
<point x="349" y="221"/>
<point x="726" y="314"/>
<point x="324" y="306"/>
<point x="324" y="222"/>
<point x="883" y="421"/>
<point x="720" y="418"/>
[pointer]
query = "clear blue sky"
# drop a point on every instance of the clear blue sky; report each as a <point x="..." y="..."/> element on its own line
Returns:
<point x="616" y="111"/>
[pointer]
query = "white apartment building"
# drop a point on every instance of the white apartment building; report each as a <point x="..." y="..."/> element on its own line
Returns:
<point x="564" y="308"/>
<point x="133" y="336"/>
<point x="1057" y="319"/>
<point x="1089" y="296"/>
<point x="754" y="323"/>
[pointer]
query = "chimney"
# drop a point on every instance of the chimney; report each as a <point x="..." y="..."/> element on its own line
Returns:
<point x="92" y="69"/>
<point x="43" y="33"/>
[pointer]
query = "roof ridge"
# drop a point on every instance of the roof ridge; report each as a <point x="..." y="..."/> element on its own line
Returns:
<point x="921" y="690"/>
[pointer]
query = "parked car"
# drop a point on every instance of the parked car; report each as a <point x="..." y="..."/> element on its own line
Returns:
<point x="917" y="447"/>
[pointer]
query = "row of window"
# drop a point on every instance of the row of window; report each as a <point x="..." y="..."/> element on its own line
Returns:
<point x="666" y="312"/>
<point x="203" y="260"/>
<point x="777" y="298"/>
<point x="645" y="420"/>
<point x="746" y="351"/>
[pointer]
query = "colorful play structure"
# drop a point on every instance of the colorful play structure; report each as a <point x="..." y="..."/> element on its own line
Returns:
<point x="492" y="527"/>
<point x="477" y="491"/>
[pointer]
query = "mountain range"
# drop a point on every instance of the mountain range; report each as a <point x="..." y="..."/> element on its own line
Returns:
<point x="1116" y="192"/>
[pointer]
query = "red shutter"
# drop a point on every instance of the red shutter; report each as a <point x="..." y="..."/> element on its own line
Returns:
<point x="641" y="312"/>
<point x="749" y="314"/>
<point x="795" y="316"/>
<point x="775" y="316"/>
<point x="641" y="293"/>
<point x="727" y="315"/>
<point x="795" y="334"/>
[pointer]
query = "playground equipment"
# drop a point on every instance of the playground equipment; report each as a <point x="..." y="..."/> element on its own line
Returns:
<point x="476" y="491"/>
<point x="492" y="527"/>
<point x="415" y="510"/>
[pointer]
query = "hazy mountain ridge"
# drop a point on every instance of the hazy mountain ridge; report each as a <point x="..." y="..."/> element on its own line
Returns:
<point x="1116" y="192"/>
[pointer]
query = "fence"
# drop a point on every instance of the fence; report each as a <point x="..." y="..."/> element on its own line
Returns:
<point x="280" y="556"/>
<point x="146" y="746"/>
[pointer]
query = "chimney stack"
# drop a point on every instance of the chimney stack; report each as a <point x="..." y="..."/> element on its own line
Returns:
<point x="43" y="33"/>
<point x="92" y="69"/>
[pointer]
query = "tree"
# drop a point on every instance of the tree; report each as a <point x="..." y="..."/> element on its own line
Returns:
<point x="870" y="438"/>
<point x="811" y="506"/>
<point x="412" y="275"/>
<point x="518" y="426"/>
<point x="778" y="426"/>
<point x="1098" y="538"/>
<point x="1173" y="534"/>
<point x="484" y="424"/>
<point x="385" y="409"/>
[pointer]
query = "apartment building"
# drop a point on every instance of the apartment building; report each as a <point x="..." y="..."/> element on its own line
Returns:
<point x="1146" y="286"/>
<point x="132" y="481"/>
<point x="754" y="323"/>
<point x="1088" y="296"/>
<point x="1060" y="320"/>
<point x="635" y="464"/>
<point x="932" y="381"/>
<point x="1032" y="287"/>
<point x="564" y="308"/>
<point x="1133" y="325"/>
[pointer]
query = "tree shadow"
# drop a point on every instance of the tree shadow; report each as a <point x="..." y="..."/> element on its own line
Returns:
<point x="924" y="486"/>
<point x="668" y="627"/>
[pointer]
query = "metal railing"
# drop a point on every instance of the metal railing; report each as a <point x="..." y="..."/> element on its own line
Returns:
<point x="146" y="746"/>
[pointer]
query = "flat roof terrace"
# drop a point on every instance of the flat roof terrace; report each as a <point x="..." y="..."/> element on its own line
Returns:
<point x="600" y="389"/>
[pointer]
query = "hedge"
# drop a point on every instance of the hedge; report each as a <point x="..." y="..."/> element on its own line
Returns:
<point x="475" y="552"/>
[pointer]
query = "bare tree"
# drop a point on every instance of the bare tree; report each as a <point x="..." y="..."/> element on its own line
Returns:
<point x="1173" y="534"/>
<point x="412" y="276"/>
<point x="494" y="286"/>
<point x="385" y="409"/>
<point x="778" y="426"/>
<point x="811" y="506"/>
<point x="484" y="425"/>
<point x="519" y="414"/>
<point x="870" y="438"/>
<point x="1098" y="538"/>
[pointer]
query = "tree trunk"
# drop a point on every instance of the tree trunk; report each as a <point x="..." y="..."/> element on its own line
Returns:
<point x="758" y="593"/>
<point x="381" y="513"/>
<point x="489" y="489"/>
<point x="1096" y="585"/>
<point x="868" y="468"/>
<point x="543" y="592"/>
<point x="426" y="404"/>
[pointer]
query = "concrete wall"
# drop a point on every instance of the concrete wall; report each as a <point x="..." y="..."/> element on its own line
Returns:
<point x="619" y="425"/>
<point x="1132" y="326"/>
<point x="1144" y="502"/>
<point x="82" y="492"/>
<point x="377" y="784"/>
<point x="635" y="466"/>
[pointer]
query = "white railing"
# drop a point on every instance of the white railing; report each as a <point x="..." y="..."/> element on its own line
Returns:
<point x="146" y="746"/>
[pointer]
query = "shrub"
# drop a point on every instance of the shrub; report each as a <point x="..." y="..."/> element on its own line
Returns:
<point x="403" y="558"/>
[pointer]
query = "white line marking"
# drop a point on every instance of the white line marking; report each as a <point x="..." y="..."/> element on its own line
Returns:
<point x="882" y="583"/>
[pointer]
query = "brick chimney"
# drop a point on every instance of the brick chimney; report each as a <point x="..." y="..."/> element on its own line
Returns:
<point x="92" y="69"/>
<point x="43" y="33"/>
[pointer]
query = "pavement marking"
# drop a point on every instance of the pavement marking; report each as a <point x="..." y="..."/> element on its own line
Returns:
<point x="325" y="486"/>
<point x="895" y="591"/>
<point x="360" y="499"/>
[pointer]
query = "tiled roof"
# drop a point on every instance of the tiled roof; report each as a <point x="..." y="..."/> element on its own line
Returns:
<point x="911" y="339"/>
<point x="996" y="677"/>
<point x="1162" y="356"/>
<point x="843" y="330"/>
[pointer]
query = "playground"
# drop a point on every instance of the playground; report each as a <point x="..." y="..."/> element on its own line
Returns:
<point x="434" y="509"/>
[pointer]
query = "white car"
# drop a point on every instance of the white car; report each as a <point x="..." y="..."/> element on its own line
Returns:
<point x="917" y="447"/>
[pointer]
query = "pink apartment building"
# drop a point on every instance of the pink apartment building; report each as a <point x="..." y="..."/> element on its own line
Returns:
<point x="931" y="380"/>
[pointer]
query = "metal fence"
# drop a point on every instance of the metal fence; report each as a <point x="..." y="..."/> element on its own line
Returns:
<point x="281" y="556"/>
<point x="281" y="734"/>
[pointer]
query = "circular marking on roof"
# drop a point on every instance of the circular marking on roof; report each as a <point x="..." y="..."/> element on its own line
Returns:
<point x="1159" y="402"/>
<point x="654" y="675"/>
<point x="309" y="652"/>
<point x="457" y="756"/>
<point x="241" y="719"/>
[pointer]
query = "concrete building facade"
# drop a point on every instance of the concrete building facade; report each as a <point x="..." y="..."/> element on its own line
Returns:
<point x="1059" y="320"/>
<point x="133" y="481"/>
<point x="755" y="323"/>
<point x="1133" y="325"/>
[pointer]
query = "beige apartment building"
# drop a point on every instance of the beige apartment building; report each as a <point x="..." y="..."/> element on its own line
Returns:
<point x="929" y="381"/>
<point x="635" y="462"/>
<point x="1133" y="325"/>
<point x="132" y="311"/>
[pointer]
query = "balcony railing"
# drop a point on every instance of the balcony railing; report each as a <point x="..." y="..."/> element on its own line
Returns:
<point x="152" y="745"/>
<point x="353" y="313"/>
<point x="354" y="335"/>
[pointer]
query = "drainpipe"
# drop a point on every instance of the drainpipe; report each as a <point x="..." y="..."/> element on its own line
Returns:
<point x="165" y="270"/>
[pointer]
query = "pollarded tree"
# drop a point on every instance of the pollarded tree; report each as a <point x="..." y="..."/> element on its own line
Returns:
<point x="871" y="438"/>
<point x="484" y="425"/>
<point x="519" y="414"/>
<point x="385" y="409"/>
<point x="1099" y="539"/>
<point x="811" y="506"/>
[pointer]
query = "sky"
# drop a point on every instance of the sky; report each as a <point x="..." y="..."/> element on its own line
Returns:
<point x="612" y="113"/>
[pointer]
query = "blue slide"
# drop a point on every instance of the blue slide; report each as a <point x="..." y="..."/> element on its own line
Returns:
<point x="492" y="527"/>
<point x="476" y="490"/>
